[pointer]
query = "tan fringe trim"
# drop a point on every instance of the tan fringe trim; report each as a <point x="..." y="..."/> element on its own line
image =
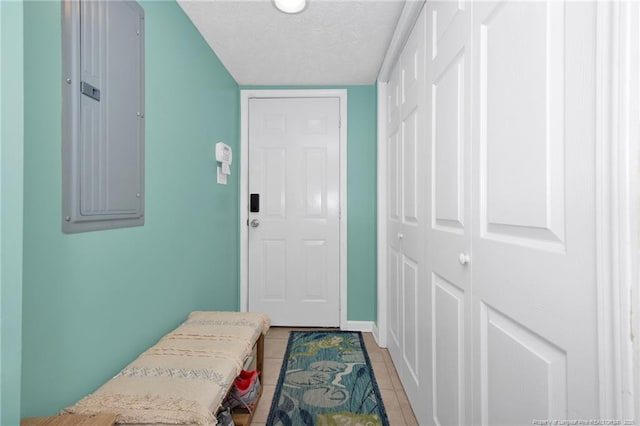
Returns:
<point x="144" y="409"/>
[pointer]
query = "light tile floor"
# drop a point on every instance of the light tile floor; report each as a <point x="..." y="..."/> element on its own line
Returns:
<point x="395" y="400"/>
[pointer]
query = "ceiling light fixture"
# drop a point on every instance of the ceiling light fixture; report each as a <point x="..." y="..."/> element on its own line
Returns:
<point x="290" y="6"/>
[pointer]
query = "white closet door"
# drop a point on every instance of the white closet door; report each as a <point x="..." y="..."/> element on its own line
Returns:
<point x="492" y="282"/>
<point x="406" y="148"/>
<point x="534" y="291"/>
<point x="449" y="234"/>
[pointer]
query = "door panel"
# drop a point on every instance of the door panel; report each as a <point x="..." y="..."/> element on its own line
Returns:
<point x="410" y="351"/>
<point x="447" y="321"/>
<point x="409" y="321"/>
<point x="394" y="178"/>
<point x="409" y="169"/>
<point x="515" y="358"/>
<point x="273" y="173"/>
<point x="448" y="75"/>
<point x="294" y="251"/>
<point x="315" y="255"/>
<point x="274" y="270"/>
<point x="315" y="183"/>
<point x="521" y="110"/>
<point x="394" y="297"/>
<point x="448" y="150"/>
<point x="534" y="291"/>
<point x="394" y="251"/>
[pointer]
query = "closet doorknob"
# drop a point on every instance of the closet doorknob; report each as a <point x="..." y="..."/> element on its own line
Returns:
<point x="400" y="235"/>
<point x="463" y="258"/>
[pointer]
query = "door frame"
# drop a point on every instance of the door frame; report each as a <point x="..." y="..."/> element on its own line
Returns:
<point x="245" y="96"/>
<point x="617" y="219"/>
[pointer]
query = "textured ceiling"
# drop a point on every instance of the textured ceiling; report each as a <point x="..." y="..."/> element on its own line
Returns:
<point x="329" y="43"/>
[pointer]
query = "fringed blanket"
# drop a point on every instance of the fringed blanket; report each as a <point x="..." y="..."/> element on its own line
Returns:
<point x="185" y="376"/>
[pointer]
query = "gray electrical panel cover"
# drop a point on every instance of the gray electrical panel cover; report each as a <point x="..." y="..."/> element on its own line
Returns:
<point x="102" y="115"/>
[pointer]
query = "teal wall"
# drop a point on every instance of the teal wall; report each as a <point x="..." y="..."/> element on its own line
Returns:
<point x="94" y="301"/>
<point x="362" y="203"/>
<point x="361" y="198"/>
<point x="11" y="193"/>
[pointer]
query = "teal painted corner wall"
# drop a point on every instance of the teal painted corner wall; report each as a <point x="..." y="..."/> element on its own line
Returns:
<point x="93" y="301"/>
<point x="361" y="198"/>
<point x="11" y="206"/>
<point x="362" y="187"/>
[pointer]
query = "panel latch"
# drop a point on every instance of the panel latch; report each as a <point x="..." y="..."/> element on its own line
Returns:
<point x="90" y="91"/>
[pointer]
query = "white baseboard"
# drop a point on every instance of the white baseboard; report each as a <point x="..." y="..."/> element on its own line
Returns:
<point x="364" y="326"/>
<point x="376" y="334"/>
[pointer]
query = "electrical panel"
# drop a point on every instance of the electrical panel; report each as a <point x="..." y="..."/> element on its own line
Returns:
<point x="103" y="115"/>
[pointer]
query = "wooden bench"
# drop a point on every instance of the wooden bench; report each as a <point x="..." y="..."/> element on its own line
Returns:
<point x="184" y="378"/>
<point x="71" y="420"/>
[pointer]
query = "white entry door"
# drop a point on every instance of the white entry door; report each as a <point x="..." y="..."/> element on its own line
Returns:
<point x="294" y="232"/>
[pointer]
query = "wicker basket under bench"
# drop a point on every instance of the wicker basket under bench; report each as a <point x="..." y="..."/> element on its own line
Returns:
<point x="184" y="378"/>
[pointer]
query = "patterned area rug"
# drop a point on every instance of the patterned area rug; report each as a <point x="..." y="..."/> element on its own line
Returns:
<point x="326" y="379"/>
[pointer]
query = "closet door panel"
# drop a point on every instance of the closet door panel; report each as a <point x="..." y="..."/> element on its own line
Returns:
<point x="410" y="337"/>
<point x="409" y="290"/>
<point x="448" y="331"/>
<point x="534" y="293"/>
<point x="447" y="133"/>
<point x="410" y="169"/>
<point x="394" y="296"/>
<point x="506" y="347"/>
<point x="394" y="206"/>
<point x="522" y="131"/>
<point x="448" y="74"/>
